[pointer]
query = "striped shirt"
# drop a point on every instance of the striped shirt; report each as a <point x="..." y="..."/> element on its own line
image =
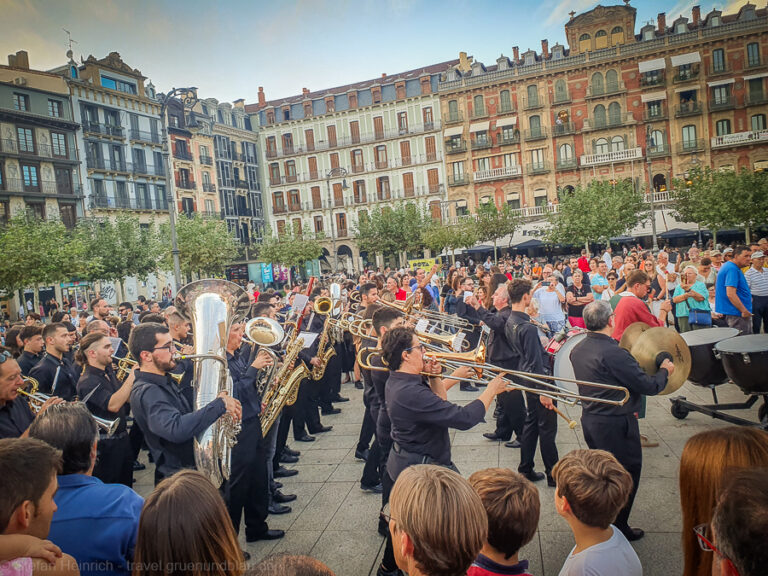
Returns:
<point x="757" y="281"/>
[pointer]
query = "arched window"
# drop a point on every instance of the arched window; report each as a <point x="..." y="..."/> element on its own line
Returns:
<point x="453" y="111"/>
<point x="601" y="39"/>
<point x="73" y="72"/>
<point x="657" y="142"/>
<point x="617" y="35"/>
<point x="597" y="84"/>
<point x="601" y="146"/>
<point x="565" y="152"/>
<point x="659" y="183"/>
<point x="561" y="91"/>
<point x="478" y="106"/>
<point x="505" y="103"/>
<point x="278" y="202"/>
<point x="614" y="114"/>
<point x="534" y="123"/>
<point x="533" y="95"/>
<point x="617" y="144"/>
<point x="585" y="43"/>
<point x="689" y="137"/>
<point x="611" y="81"/>
<point x="599" y="116"/>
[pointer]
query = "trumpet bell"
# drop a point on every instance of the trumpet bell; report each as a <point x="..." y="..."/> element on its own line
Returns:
<point x="264" y="331"/>
<point x="323" y="305"/>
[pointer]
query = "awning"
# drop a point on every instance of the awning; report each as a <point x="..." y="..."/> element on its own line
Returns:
<point x="756" y="76"/>
<point x="480" y="126"/>
<point x="721" y="82"/>
<point x="481" y="248"/>
<point x="540" y="192"/>
<point x="513" y="196"/>
<point x="532" y="243"/>
<point x="455" y="131"/>
<point x="680" y="90"/>
<point x="654" y="96"/>
<point x="461" y="203"/>
<point x="689" y="58"/>
<point x="677" y="233"/>
<point x="510" y="121"/>
<point x="651" y="65"/>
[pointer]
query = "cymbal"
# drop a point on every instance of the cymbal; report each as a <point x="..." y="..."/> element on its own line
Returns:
<point x="631" y="333"/>
<point x="653" y="342"/>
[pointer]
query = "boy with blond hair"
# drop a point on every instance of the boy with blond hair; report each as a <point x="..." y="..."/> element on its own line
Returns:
<point x="592" y="487"/>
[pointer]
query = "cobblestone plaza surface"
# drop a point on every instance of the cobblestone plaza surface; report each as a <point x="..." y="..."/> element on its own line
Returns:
<point x="335" y="521"/>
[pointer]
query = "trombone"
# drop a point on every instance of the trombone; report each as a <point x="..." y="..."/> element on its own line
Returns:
<point x="413" y="314"/>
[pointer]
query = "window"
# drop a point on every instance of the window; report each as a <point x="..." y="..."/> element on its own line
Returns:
<point x="279" y="201"/>
<point x="280" y="227"/>
<point x="317" y="201"/>
<point x="617" y="35"/>
<point x="533" y="95"/>
<point x="402" y="122"/>
<point x="382" y="187"/>
<point x="723" y="127"/>
<point x="331" y="130"/>
<point x="334" y="160"/>
<point x="654" y="109"/>
<point x="718" y="60"/>
<point x="29" y="174"/>
<point x="457" y="168"/>
<point x="508" y="134"/>
<point x="274" y="173"/>
<point x="721" y="95"/>
<point x="681" y="27"/>
<point x="428" y="118"/>
<point x="585" y="43"/>
<point x="26" y="140"/>
<point x="597" y="84"/>
<point x="601" y="39"/>
<point x="210" y="206"/>
<point x="290" y="171"/>
<point x="357" y="160"/>
<point x="614" y="114"/>
<point x="537" y="158"/>
<point x="758" y="122"/>
<point x="358" y="191"/>
<point x="309" y="137"/>
<point x="294" y="199"/>
<point x="288" y="143"/>
<point x="115" y="84"/>
<point x="354" y="131"/>
<point x="505" y="103"/>
<point x="753" y="54"/>
<point x="657" y="141"/>
<point x="510" y="160"/>
<point x="381" y="156"/>
<point x="755" y="91"/>
<point x="565" y="153"/>
<point x="611" y="81"/>
<point x="617" y="144"/>
<point x="318" y="223"/>
<point x="341" y="223"/>
<point x="599" y="116"/>
<point x="59" y="144"/>
<point x="478" y="105"/>
<point x="689" y="137"/>
<point x="481" y="138"/>
<point x="54" y="108"/>
<point x="453" y="111"/>
<point x="534" y="122"/>
<point x="482" y="164"/>
<point x="20" y="102"/>
<point x="649" y="33"/>
<point x="561" y="91"/>
<point x="601" y="146"/>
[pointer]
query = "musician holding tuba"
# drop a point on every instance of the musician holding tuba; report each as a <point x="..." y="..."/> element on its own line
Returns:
<point x="164" y="414"/>
<point x="599" y="358"/>
<point x="15" y="413"/>
<point x="107" y="398"/>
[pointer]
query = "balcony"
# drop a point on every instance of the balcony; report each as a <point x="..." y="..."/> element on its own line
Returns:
<point x="509" y="140"/>
<point x="740" y="139"/>
<point x="658" y="150"/>
<point x="452" y="147"/>
<point x="44" y="188"/>
<point x="455" y="118"/>
<point x="682" y="76"/>
<point x="342" y="233"/>
<point x="532" y="103"/>
<point x="722" y="68"/>
<point x="563" y="129"/>
<point x="536" y="134"/>
<point x="505" y="108"/>
<point x="480" y="113"/>
<point x="651" y="80"/>
<point x="612" y="157"/>
<point x="727" y="103"/>
<point x="42" y="151"/>
<point x="356" y="169"/>
<point x="757" y="99"/>
<point x="185" y="184"/>
<point x="537" y="168"/>
<point x="567" y="163"/>
<point x="561" y="98"/>
<point x="206" y="160"/>
<point x="605" y="91"/>
<point x="112" y="203"/>
<point x="294" y="207"/>
<point x="144" y="136"/>
<point x="690" y="146"/>
<point x="209" y="187"/>
<point x="182" y="154"/>
<point x="604" y="123"/>
<point x="497" y="173"/>
<point x="458" y="180"/>
<point x="107" y="164"/>
<point x="271" y="153"/>
<point x="279" y="209"/>
<point x="380" y="164"/>
<point x="146" y="170"/>
<point x="481" y="144"/>
<point x="338" y="201"/>
<point x="656" y="113"/>
<point x="688" y="109"/>
<point x="103" y="129"/>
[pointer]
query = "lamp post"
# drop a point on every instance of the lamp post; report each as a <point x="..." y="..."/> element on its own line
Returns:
<point x="338" y="172"/>
<point x="188" y="97"/>
<point x="651" y="191"/>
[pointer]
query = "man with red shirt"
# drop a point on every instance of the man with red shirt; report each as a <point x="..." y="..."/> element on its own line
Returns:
<point x="583" y="263"/>
<point x="631" y="307"/>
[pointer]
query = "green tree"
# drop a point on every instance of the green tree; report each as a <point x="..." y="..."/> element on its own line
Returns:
<point x="205" y="246"/>
<point x="751" y="199"/>
<point x="492" y="223"/>
<point x="290" y="248"/>
<point x="596" y="212"/>
<point x="438" y="237"/>
<point x="706" y="197"/>
<point x="390" y="230"/>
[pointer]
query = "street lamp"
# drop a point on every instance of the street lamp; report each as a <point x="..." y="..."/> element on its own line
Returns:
<point x="188" y="98"/>
<point x="651" y="191"/>
<point x="337" y="172"/>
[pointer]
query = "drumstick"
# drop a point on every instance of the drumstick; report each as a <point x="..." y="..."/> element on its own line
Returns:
<point x="571" y="423"/>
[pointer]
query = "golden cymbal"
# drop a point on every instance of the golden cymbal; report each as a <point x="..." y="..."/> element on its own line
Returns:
<point x="653" y="342"/>
<point x="631" y="333"/>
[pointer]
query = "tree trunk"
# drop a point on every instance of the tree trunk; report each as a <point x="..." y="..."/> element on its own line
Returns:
<point x="714" y="237"/>
<point x="495" y="251"/>
<point x="747" y="234"/>
<point x="36" y="299"/>
<point x="586" y="245"/>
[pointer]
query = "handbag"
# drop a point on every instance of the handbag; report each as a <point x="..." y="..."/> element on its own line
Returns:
<point x="700" y="318"/>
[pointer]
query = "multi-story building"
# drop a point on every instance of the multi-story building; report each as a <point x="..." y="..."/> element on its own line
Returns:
<point x="120" y="142"/>
<point x="38" y="155"/>
<point x="614" y="104"/>
<point x="382" y="137"/>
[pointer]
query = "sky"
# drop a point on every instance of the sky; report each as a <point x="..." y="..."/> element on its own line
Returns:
<point x="230" y="48"/>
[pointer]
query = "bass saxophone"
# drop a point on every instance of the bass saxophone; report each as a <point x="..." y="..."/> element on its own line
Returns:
<point x="284" y="387"/>
<point x="212" y="307"/>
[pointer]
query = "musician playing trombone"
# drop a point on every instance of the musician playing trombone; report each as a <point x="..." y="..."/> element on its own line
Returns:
<point x="599" y="358"/>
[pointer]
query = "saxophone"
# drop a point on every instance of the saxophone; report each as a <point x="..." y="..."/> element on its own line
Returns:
<point x="324" y="307"/>
<point x="284" y="387"/>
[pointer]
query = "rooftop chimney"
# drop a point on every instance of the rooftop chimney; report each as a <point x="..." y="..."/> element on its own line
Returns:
<point x="516" y="54"/>
<point x="383" y="74"/>
<point x="305" y="91"/>
<point x="262" y="98"/>
<point x="19" y="60"/>
<point x="696" y="13"/>
<point x="545" y="49"/>
<point x="662" y="21"/>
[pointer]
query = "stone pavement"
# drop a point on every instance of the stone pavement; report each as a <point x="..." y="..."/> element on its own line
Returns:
<point x="335" y="521"/>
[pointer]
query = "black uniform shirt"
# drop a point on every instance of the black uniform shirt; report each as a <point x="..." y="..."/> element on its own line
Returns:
<point x="244" y="378"/>
<point x="15" y="417"/>
<point x="379" y="381"/>
<point x="27" y="361"/>
<point x="500" y="352"/>
<point x="599" y="358"/>
<point x="105" y="384"/>
<point x="66" y="381"/>
<point x="421" y="419"/>
<point x="523" y="337"/>
<point x="470" y="315"/>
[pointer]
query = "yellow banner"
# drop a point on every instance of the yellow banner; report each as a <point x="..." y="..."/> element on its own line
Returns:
<point x="425" y="263"/>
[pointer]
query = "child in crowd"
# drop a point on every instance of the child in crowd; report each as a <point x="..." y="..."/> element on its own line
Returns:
<point x="513" y="507"/>
<point x="592" y="487"/>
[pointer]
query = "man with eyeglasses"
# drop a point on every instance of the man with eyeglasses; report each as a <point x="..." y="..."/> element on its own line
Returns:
<point x="631" y="308"/>
<point x="165" y="415"/>
<point x="468" y="313"/>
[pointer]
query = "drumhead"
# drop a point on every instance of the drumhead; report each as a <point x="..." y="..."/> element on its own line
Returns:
<point x="748" y="344"/>
<point x="708" y="335"/>
<point x="563" y="367"/>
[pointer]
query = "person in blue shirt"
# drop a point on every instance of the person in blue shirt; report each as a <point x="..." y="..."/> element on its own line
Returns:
<point x="94" y="522"/>
<point x="732" y="296"/>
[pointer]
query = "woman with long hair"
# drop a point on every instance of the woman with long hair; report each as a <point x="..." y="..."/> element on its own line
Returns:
<point x="658" y="291"/>
<point x="185" y="529"/>
<point x="708" y="457"/>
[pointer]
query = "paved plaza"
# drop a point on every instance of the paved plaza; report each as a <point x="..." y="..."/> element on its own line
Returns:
<point x="335" y="521"/>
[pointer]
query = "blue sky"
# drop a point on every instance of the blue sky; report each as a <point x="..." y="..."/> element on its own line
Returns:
<point x="230" y="48"/>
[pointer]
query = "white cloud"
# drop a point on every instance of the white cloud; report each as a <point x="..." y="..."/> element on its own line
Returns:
<point x="682" y="8"/>
<point x="560" y="13"/>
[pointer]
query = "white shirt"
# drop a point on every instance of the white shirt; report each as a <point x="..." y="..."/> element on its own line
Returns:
<point x="670" y="269"/>
<point x="607" y="259"/>
<point x="757" y="281"/>
<point x="613" y="557"/>
<point x="550" y="308"/>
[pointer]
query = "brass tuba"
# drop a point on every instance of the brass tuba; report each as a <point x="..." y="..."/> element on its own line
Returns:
<point x="212" y="306"/>
<point x="263" y="332"/>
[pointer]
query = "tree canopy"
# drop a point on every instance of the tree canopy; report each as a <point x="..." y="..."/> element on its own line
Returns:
<point x="206" y="246"/>
<point x="290" y="248"/>
<point x="391" y="230"/>
<point x="492" y="223"/>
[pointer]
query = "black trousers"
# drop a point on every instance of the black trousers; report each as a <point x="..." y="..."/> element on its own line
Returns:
<point x="284" y="427"/>
<point x="540" y="425"/>
<point x="367" y="429"/>
<point x="136" y="438"/>
<point x="371" y="474"/>
<point x="330" y="385"/>
<point x="512" y="418"/>
<point x="114" y="463"/>
<point x="619" y="435"/>
<point x="247" y="489"/>
<point x="306" y="412"/>
<point x="759" y="313"/>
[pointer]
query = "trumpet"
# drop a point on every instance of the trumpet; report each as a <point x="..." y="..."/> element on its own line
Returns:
<point x="413" y="314"/>
<point x="126" y="364"/>
<point x="37" y="399"/>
